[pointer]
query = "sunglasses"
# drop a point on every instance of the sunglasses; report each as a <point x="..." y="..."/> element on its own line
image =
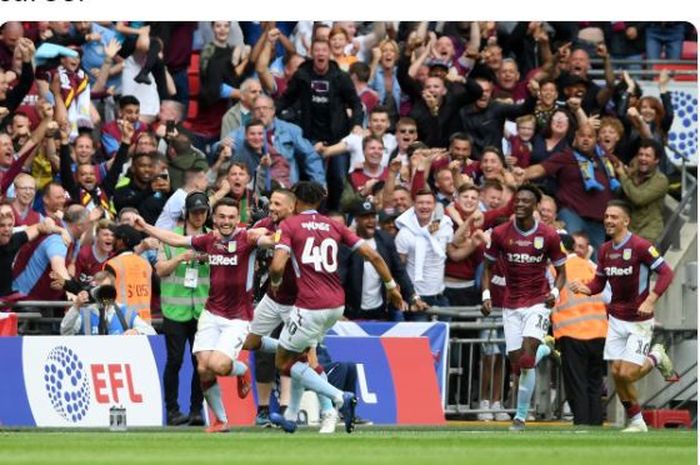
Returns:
<point x="407" y="131"/>
<point x="163" y="176"/>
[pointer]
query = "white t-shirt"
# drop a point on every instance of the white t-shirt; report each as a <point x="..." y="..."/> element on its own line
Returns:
<point x="357" y="156"/>
<point x="433" y="282"/>
<point x="172" y="210"/>
<point x="371" y="283"/>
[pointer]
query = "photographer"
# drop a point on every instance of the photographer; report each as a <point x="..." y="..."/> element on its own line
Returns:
<point x="104" y="315"/>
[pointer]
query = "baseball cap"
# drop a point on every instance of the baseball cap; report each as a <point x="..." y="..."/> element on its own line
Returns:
<point x="364" y="208"/>
<point x="196" y="201"/>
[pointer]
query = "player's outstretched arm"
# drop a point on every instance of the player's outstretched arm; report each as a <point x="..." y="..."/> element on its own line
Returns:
<point x="163" y="235"/>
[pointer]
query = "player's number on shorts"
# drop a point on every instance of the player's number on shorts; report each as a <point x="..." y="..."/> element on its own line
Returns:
<point x="642" y="348"/>
<point x="542" y="323"/>
<point x="324" y="257"/>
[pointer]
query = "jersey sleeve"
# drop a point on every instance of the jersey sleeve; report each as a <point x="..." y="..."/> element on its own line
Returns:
<point x="650" y="256"/>
<point x="284" y="238"/>
<point x="555" y="251"/>
<point x="493" y="250"/>
<point x="201" y="242"/>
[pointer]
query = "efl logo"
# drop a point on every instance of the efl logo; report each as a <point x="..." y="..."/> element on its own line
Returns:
<point x="110" y="379"/>
<point x="67" y="384"/>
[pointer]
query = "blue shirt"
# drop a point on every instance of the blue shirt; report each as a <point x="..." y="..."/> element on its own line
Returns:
<point x="39" y="263"/>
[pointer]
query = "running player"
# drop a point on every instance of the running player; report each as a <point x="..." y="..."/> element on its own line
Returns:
<point x="225" y="320"/>
<point x="312" y="241"/>
<point x="625" y="262"/>
<point x="525" y="247"/>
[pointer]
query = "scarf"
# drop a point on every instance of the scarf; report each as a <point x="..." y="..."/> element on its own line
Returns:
<point x="424" y="239"/>
<point x="75" y="91"/>
<point x="587" y="168"/>
<point x="98" y="198"/>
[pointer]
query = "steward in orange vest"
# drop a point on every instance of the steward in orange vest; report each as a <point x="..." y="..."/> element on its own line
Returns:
<point x="132" y="273"/>
<point x="580" y="326"/>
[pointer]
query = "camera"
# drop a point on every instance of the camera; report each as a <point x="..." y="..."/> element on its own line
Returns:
<point x="103" y="295"/>
<point x="170" y="126"/>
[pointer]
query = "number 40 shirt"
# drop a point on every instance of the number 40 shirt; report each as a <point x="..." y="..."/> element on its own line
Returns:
<point x="312" y="241"/>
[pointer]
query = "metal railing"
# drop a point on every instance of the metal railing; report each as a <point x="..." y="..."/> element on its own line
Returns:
<point x="31" y="322"/>
<point x="671" y="235"/>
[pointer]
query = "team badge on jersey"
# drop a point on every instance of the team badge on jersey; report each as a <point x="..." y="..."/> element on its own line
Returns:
<point x="539" y="242"/>
<point x="627" y="254"/>
<point x="231" y="246"/>
<point x="277" y="236"/>
<point x="653" y="252"/>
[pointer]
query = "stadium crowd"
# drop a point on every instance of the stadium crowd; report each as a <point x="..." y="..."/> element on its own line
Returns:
<point x="420" y="132"/>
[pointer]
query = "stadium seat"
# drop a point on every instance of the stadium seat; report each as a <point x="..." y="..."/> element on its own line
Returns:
<point x="690" y="50"/>
<point x="680" y="67"/>
<point x="664" y="418"/>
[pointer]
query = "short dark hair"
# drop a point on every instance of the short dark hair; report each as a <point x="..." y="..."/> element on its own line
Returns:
<point x="467" y="187"/>
<point x="152" y="155"/>
<point x="128" y="100"/>
<point x="225" y="202"/>
<point x="497" y="151"/>
<point x="531" y="188"/>
<point x="461" y="136"/>
<point x="309" y="192"/>
<point x="241" y="165"/>
<point x="622" y="204"/>
<point x="379" y="109"/>
<point x="425" y="192"/>
<point x="284" y="191"/>
<point x="254" y="122"/>
<point x="361" y="70"/>
<point x="650" y="143"/>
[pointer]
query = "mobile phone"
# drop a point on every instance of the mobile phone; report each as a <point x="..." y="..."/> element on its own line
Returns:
<point x="170" y="126"/>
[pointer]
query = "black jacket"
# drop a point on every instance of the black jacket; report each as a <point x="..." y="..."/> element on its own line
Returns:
<point x="486" y="126"/>
<point x="435" y="130"/>
<point x="341" y="94"/>
<point x="352" y="270"/>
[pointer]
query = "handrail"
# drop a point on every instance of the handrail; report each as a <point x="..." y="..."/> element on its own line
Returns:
<point x="37" y="303"/>
<point x="626" y="61"/>
<point x="670" y="237"/>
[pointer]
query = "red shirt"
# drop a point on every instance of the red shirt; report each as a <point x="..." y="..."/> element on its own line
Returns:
<point x="87" y="264"/>
<point x="231" y="264"/>
<point x="359" y="178"/>
<point x="287" y="292"/>
<point x="626" y="267"/>
<point x="313" y="241"/>
<point x="525" y="257"/>
<point x="571" y="194"/>
<point x="465" y="268"/>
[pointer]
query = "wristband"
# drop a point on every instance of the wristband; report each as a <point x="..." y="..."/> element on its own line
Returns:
<point x="390" y="285"/>
<point x="485" y="295"/>
<point x="555" y="292"/>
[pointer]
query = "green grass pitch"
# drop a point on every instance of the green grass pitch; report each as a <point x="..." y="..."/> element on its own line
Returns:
<point x="462" y="444"/>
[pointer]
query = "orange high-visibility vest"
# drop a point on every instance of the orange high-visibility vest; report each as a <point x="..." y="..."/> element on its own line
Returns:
<point x="133" y="282"/>
<point x="579" y="316"/>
